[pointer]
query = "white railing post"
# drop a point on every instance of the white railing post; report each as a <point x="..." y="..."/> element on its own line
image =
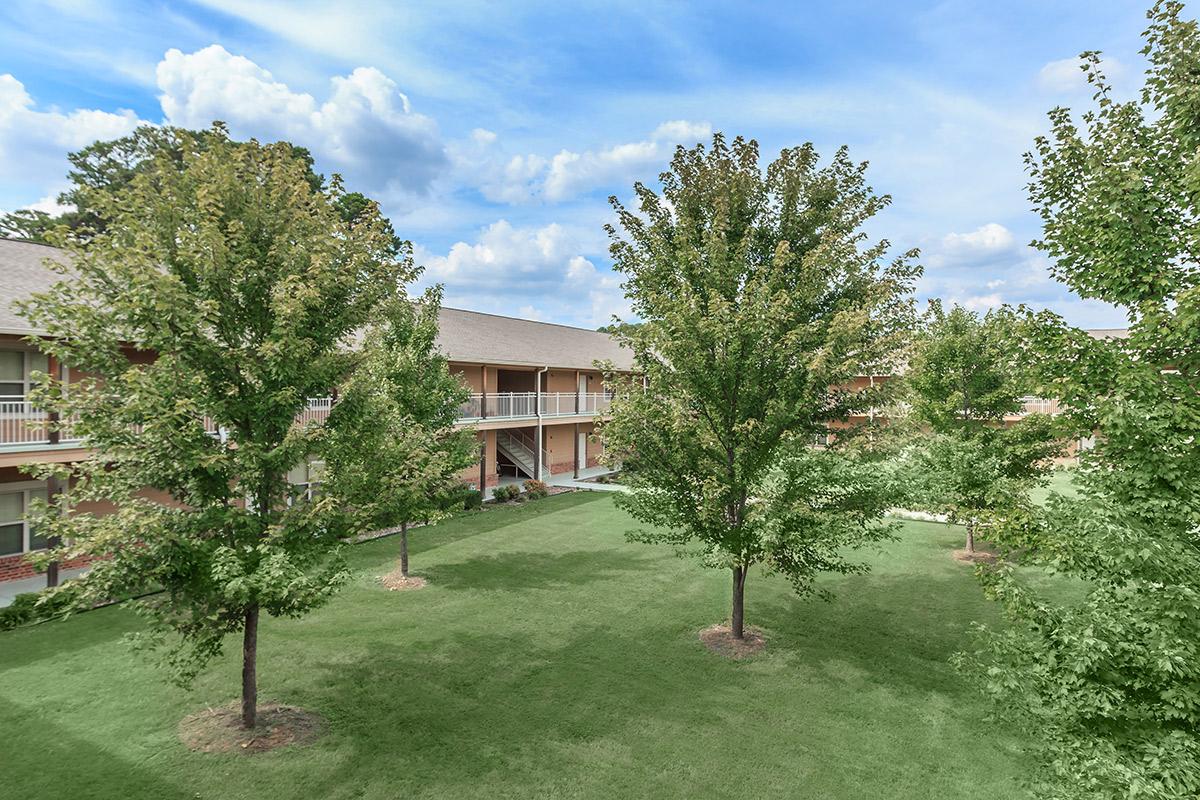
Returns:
<point x="21" y="423"/>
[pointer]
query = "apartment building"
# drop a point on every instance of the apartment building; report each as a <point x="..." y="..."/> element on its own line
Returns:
<point x="535" y="398"/>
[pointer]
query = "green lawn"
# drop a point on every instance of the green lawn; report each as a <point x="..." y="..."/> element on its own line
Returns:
<point x="549" y="658"/>
<point x="1061" y="481"/>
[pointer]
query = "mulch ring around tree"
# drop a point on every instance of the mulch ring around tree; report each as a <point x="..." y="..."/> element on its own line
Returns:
<point x="219" y="730"/>
<point x="396" y="582"/>
<point x="982" y="555"/>
<point x="719" y="639"/>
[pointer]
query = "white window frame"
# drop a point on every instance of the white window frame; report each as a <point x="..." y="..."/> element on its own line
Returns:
<point x="23" y="488"/>
<point x="313" y="468"/>
<point x="27" y="368"/>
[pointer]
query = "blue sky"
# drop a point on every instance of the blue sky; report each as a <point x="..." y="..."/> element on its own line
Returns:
<point x="493" y="132"/>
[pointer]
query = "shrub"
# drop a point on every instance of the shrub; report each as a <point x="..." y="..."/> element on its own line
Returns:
<point x="471" y="499"/>
<point x="502" y="494"/>
<point x="536" y="489"/>
<point x="26" y="609"/>
<point x="19" y="612"/>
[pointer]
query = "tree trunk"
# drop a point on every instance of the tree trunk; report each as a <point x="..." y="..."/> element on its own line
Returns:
<point x="971" y="536"/>
<point x="739" y="603"/>
<point x="404" y="549"/>
<point x="250" y="668"/>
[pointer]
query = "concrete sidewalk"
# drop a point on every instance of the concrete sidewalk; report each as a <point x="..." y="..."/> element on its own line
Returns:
<point x="10" y="589"/>
<point x="568" y="480"/>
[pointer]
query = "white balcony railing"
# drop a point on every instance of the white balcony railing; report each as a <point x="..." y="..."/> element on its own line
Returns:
<point x="1037" y="405"/>
<point x="22" y="424"/>
<point x="518" y="405"/>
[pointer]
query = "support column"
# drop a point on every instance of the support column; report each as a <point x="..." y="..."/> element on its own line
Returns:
<point x="482" y="461"/>
<point x="575" y="450"/>
<point x="53" y="490"/>
<point x="483" y="392"/>
<point x="54" y="436"/>
<point x="537" y="444"/>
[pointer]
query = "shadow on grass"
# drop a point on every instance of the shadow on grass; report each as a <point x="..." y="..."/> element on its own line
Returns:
<point x="71" y="767"/>
<point x="480" y="706"/>
<point x="524" y="570"/>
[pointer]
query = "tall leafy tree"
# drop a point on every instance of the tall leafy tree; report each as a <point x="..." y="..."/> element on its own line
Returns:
<point x="761" y="301"/>
<point x="401" y="406"/>
<point x="245" y="284"/>
<point x="965" y="381"/>
<point x="112" y="164"/>
<point x="1105" y="672"/>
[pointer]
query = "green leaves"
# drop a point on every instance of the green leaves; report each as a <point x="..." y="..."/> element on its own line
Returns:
<point x="220" y="293"/>
<point x="760" y="305"/>
<point x="1102" y="666"/>
<point x="391" y="451"/>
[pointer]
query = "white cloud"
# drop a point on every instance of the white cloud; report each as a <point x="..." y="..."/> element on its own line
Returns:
<point x="526" y="271"/>
<point x="483" y="136"/>
<point x="982" y="302"/>
<point x="568" y="173"/>
<point x="986" y="239"/>
<point x="1067" y="74"/>
<point x="529" y="312"/>
<point x="34" y="143"/>
<point x="366" y="129"/>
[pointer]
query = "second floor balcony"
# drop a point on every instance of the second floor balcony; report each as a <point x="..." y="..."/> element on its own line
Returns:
<point x="526" y="405"/>
<point x="24" y="426"/>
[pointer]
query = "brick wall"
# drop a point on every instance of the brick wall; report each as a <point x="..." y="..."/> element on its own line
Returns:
<point x="15" y="568"/>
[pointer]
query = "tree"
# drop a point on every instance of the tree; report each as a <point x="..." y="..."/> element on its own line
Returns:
<point x="964" y="379"/>
<point x="401" y="406"/>
<point x="1104" y="673"/>
<point x="617" y="326"/>
<point x="28" y="224"/>
<point x="111" y="165"/>
<point x="760" y="306"/>
<point x="245" y="285"/>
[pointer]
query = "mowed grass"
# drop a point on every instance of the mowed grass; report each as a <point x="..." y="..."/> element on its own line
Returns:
<point x="548" y="658"/>
<point x="1061" y="481"/>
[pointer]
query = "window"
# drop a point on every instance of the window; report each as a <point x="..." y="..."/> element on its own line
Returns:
<point x="16" y="372"/>
<point x="307" y="475"/>
<point x="17" y="535"/>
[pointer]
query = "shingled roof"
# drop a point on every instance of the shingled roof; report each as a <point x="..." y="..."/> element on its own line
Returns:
<point x="465" y="336"/>
<point x="22" y="272"/>
<point x="478" y="338"/>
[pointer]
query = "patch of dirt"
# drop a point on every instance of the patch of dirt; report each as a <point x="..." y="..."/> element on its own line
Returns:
<point x="719" y="639"/>
<point x="219" y="730"/>
<point x="396" y="582"/>
<point x="980" y="556"/>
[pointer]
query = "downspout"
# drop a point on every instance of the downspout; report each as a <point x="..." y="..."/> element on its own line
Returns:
<point x="537" y="454"/>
